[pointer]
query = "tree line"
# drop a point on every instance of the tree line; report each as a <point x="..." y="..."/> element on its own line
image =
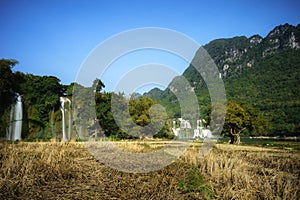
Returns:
<point x="142" y="116"/>
<point x="41" y="107"/>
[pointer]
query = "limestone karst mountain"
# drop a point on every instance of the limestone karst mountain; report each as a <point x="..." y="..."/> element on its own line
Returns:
<point x="263" y="72"/>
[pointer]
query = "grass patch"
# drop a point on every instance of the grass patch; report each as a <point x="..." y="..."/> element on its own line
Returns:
<point x="195" y="182"/>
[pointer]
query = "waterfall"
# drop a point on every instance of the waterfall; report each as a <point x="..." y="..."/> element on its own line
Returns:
<point x="16" y="115"/>
<point x="175" y="130"/>
<point x="70" y="121"/>
<point x="62" y="108"/>
<point x="63" y="111"/>
<point x="18" y="119"/>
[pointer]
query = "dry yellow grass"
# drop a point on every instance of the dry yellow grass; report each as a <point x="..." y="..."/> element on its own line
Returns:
<point x="246" y="172"/>
<point x="140" y="146"/>
<point x="68" y="171"/>
<point x="54" y="170"/>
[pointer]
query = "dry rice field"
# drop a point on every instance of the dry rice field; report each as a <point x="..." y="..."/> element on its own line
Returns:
<point x="55" y="170"/>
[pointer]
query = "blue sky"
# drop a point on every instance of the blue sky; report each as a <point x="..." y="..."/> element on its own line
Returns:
<point x="50" y="37"/>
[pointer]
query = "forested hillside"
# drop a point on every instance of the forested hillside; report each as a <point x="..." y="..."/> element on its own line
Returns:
<point x="261" y="72"/>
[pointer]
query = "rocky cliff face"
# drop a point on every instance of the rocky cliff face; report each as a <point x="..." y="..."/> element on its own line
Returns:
<point x="281" y="38"/>
<point x="234" y="54"/>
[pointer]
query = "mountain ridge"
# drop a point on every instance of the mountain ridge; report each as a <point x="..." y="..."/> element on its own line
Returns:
<point x="263" y="72"/>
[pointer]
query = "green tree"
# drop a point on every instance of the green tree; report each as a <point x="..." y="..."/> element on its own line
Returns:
<point x="7" y="91"/>
<point x="137" y="117"/>
<point x="147" y="114"/>
<point x="98" y="85"/>
<point x="240" y="118"/>
<point x="7" y="86"/>
<point x="105" y="117"/>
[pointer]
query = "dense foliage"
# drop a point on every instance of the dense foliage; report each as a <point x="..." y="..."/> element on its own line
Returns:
<point x="40" y="95"/>
<point x="7" y="86"/>
<point x="241" y="119"/>
<point x="137" y="117"/>
<point x="261" y="73"/>
<point x="92" y="117"/>
<point x="7" y="89"/>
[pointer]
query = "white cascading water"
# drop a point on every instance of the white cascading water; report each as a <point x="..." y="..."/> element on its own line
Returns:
<point x="199" y="132"/>
<point x="16" y="116"/>
<point x="65" y="138"/>
<point x="175" y="130"/>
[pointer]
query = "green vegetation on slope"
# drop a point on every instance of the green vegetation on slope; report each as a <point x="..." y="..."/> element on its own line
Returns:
<point x="263" y="73"/>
